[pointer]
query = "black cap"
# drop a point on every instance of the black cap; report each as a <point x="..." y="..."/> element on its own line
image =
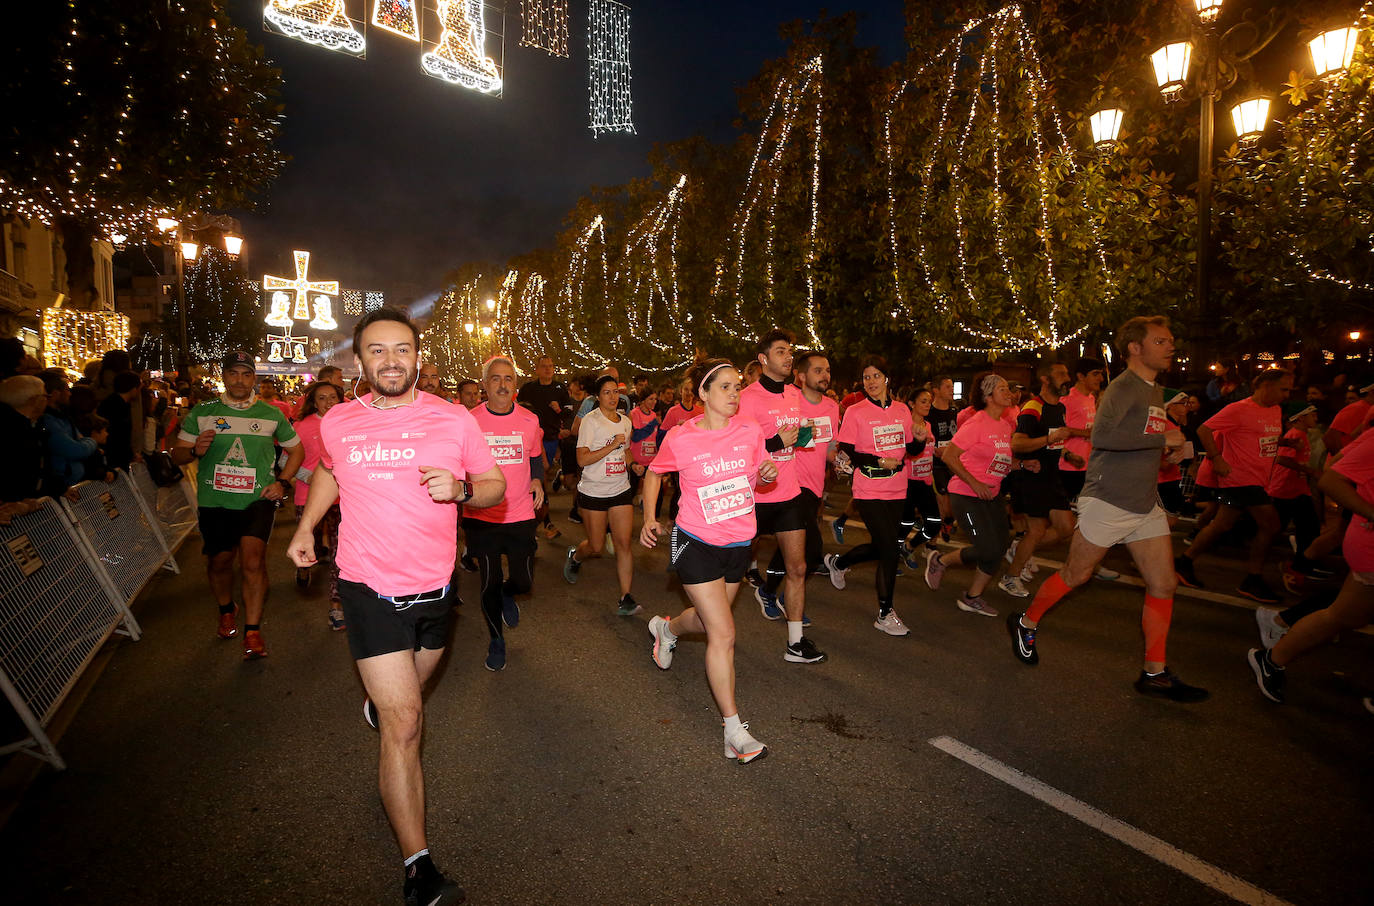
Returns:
<point x="238" y="358"/>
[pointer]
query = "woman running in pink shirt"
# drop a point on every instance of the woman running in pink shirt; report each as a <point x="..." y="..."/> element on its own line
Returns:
<point x="719" y="460"/>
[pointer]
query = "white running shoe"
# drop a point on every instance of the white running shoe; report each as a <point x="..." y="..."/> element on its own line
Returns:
<point x="664" y="642"/>
<point x="836" y="574"/>
<point x="1013" y="586"/>
<point x="1269" y="629"/>
<point x="1011" y="551"/>
<point x="891" y="624"/>
<point x="1027" y="574"/>
<point x="975" y="605"/>
<point x="1108" y="574"/>
<point x="610" y="545"/>
<point x="744" y="747"/>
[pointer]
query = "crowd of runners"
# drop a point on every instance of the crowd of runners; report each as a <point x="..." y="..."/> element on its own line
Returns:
<point x="399" y="489"/>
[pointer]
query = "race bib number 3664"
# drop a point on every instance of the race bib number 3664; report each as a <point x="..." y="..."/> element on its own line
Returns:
<point x="235" y="479"/>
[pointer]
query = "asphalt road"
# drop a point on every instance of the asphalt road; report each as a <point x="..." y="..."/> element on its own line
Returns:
<point x="583" y="773"/>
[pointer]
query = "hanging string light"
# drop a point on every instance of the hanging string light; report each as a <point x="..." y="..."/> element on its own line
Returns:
<point x="608" y="62"/>
<point x="544" y="24"/>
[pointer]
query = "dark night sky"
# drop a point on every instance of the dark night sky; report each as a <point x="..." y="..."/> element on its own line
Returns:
<point x="396" y="177"/>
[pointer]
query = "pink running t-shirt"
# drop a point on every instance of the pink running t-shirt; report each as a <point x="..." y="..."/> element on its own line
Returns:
<point x="824" y="418"/>
<point x="676" y="415"/>
<point x="920" y="467"/>
<point x="986" y="442"/>
<point x="1169" y="471"/>
<point x="513" y="439"/>
<point x="308" y="430"/>
<point x="772" y="412"/>
<point x="717" y="471"/>
<point x="393" y="537"/>
<point x="1286" y="483"/>
<point x="1350" y="418"/>
<point x="1357" y="464"/>
<point x="880" y="432"/>
<point x="1080" y="409"/>
<point x="643" y="451"/>
<point x="1248" y="435"/>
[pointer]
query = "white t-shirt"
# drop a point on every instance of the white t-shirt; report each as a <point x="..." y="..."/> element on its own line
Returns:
<point x="608" y="476"/>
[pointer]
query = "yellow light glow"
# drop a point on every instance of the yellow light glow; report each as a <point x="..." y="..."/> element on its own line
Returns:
<point x="1171" y="65"/>
<point x="302" y="286"/>
<point x="486" y="331"/>
<point x="1106" y="125"/>
<point x="1333" y="50"/>
<point x="459" y="56"/>
<point x="118" y="238"/>
<point x="1208" y="9"/>
<point x="491" y="305"/>
<point x="469" y="327"/>
<point x="233" y="244"/>
<point x="1355" y="335"/>
<point x="400" y="17"/>
<point x="71" y="338"/>
<point x="1250" y="117"/>
<point x="324" y="23"/>
<point x="167" y="224"/>
<point x="189" y="250"/>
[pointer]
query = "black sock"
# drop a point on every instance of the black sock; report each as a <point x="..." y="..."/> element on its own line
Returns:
<point x="1269" y="661"/>
<point x="227" y="608"/>
<point x="251" y="627"/>
<point x="420" y="871"/>
<point x="841" y="519"/>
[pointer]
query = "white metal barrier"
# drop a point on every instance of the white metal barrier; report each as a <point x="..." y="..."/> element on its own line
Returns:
<point x="113" y="521"/>
<point x="58" y="605"/>
<point x="174" y="508"/>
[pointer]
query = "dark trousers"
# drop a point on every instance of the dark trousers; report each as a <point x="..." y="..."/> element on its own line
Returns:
<point x="884" y="519"/>
<point x="815" y="550"/>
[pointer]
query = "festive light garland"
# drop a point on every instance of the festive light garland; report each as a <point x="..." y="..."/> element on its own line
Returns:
<point x="400" y="17"/>
<point x="608" y="65"/>
<point x="324" y="23"/>
<point x="72" y="338"/>
<point x="762" y="189"/>
<point x="352" y="301"/>
<point x="544" y="24"/>
<point x="645" y="275"/>
<point x="573" y="304"/>
<point x="1004" y="29"/>
<point x="460" y="55"/>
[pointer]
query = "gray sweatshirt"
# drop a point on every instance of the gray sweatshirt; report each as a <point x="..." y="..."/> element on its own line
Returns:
<point x="1128" y="435"/>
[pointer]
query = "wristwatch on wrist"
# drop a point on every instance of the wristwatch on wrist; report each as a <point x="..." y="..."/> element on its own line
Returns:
<point x="285" y="485"/>
<point x="467" y="491"/>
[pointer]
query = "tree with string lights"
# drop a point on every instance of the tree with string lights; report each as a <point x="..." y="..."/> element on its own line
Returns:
<point x="120" y="112"/>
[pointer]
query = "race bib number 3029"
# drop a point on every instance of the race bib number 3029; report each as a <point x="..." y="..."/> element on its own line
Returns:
<point x="728" y="499"/>
<point x="235" y="479"/>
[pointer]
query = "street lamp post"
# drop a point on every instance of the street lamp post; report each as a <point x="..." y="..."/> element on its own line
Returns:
<point x="185" y="248"/>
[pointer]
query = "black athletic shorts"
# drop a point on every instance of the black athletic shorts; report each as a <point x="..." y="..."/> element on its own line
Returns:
<point x="1171" y="497"/>
<point x="785" y="515"/>
<point x="697" y="562"/>
<point x="1008" y="489"/>
<point x="1244" y="496"/>
<point x="1072" y="482"/>
<point x="1204" y="494"/>
<point x="513" y="539"/>
<point x="567" y="456"/>
<point x="940" y="474"/>
<point x="222" y="528"/>
<point x="379" y="626"/>
<point x="1036" y="493"/>
<point x="624" y="498"/>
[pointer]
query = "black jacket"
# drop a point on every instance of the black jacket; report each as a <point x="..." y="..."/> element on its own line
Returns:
<point x="21" y="456"/>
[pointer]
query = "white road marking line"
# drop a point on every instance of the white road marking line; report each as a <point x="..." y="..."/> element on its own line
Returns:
<point x="1218" y="879"/>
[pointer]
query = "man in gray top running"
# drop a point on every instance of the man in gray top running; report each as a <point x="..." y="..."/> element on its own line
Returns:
<point x="1119" y="504"/>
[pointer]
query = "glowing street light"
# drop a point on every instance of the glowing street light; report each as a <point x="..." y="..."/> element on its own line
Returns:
<point x="1106" y="125"/>
<point x="1355" y="335"/>
<point x="469" y="327"/>
<point x="233" y="244"/>
<point x="1171" y="65"/>
<point x="491" y="305"/>
<point x="1333" y="50"/>
<point x="1208" y="10"/>
<point x="167" y="224"/>
<point x="1250" y="117"/>
<point x="189" y="250"/>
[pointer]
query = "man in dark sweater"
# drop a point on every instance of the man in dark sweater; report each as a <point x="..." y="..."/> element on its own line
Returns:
<point x="117" y="409"/>
<point x="22" y="401"/>
<point x="1119" y="504"/>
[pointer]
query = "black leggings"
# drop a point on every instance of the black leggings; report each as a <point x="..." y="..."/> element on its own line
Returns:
<point x="495" y="587"/>
<point x="1303" y="514"/>
<point x="884" y="520"/>
<point x="815" y="550"/>
<point x="985" y="523"/>
<point x="920" y="498"/>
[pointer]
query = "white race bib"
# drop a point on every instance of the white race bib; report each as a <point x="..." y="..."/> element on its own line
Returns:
<point x="235" y="479"/>
<point x="1000" y="465"/>
<point x="887" y="438"/>
<point x="728" y="499"/>
<point x="1269" y="446"/>
<point x="822" y="431"/>
<point x="506" y="449"/>
<point x="615" y="463"/>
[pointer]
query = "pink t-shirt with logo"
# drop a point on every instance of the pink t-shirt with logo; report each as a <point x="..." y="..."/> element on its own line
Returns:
<point x="825" y="421"/>
<point x="986" y="442"/>
<point x="1079" y="411"/>
<point x="676" y="415"/>
<point x="881" y="432"/>
<point x="717" y="471"/>
<point x="393" y="537"/>
<point x="1357" y="464"/>
<point x="920" y="467"/>
<point x="1248" y="435"/>
<point x="513" y="439"/>
<point x="772" y="412"/>
<point x="308" y="430"/>
<point x="1169" y="471"/>
<point x="1286" y="483"/>
<point x="643" y="451"/>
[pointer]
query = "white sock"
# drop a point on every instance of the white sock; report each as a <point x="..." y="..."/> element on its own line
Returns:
<point x="794" y="631"/>
<point x="732" y="724"/>
<point x="668" y="631"/>
<point x="423" y="852"/>
<point x="753" y="564"/>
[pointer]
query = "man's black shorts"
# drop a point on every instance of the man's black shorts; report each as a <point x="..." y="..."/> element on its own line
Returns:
<point x="785" y="515"/>
<point x="222" y="528"/>
<point x="1244" y="496"/>
<point x="1072" y="482"/>
<point x="1036" y="494"/>
<point x="696" y="562"/>
<point x="1171" y="497"/>
<point x="377" y="626"/>
<point x="513" y="539"/>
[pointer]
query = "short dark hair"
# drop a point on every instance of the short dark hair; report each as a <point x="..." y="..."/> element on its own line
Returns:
<point x="1134" y="330"/>
<point x="382" y="314"/>
<point x="52" y="381"/>
<point x="465" y="382"/>
<point x="776" y="335"/>
<point x="327" y="369"/>
<point x="802" y="362"/>
<point x="125" y="381"/>
<point x="603" y="381"/>
<point x="1086" y="365"/>
<point x="874" y="361"/>
<point x="939" y="379"/>
<point x="1269" y="376"/>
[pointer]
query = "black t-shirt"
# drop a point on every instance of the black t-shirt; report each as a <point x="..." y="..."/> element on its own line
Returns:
<point x="536" y="397"/>
<point x="1037" y="419"/>
<point x="943" y="424"/>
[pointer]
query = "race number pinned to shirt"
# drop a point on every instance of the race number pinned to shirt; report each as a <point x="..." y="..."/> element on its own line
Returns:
<point x="1000" y="465"/>
<point x="506" y="449"/>
<point x="1269" y="446"/>
<point x="786" y="454"/>
<point x="615" y="463"/>
<point x="921" y="466"/>
<point x="822" y="431"/>
<point x="887" y="438"/>
<point x="728" y="499"/>
<point x="234" y="479"/>
<point x="1156" y="422"/>
<point x="649" y="447"/>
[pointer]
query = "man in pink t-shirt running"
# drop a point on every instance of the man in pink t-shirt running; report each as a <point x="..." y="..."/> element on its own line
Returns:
<point x="398" y="460"/>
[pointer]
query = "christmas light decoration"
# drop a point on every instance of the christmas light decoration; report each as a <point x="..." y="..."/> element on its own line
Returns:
<point x="796" y="95"/>
<point x="72" y="338"/>
<point x="575" y="307"/>
<point x="608" y="60"/>
<point x="352" y="300"/>
<point x="949" y="160"/>
<point x="302" y="286"/>
<point x="324" y="23"/>
<point x="374" y="300"/>
<point x="647" y="279"/>
<point x="284" y="346"/>
<point x="459" y="56"/>
<point x="544" y="24"/>
<point x="399" y="17"/>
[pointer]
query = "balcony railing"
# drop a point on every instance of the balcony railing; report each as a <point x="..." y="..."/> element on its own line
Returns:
<point x="11" y="293"/>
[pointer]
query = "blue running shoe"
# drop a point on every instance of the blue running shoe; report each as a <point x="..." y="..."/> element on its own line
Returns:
<point x="768" y="603"/>
<point x="837" y="529"/>
<point x="510" y="611"/>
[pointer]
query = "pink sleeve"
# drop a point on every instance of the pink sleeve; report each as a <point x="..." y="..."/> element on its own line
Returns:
<point x="474" y="453"/>
<point x="665" y="460"/>
<point x="966" y="438"/>
<point x="1357" y="459"/>
<point x="1223" y="421"/>
<point x="848" y="434"/>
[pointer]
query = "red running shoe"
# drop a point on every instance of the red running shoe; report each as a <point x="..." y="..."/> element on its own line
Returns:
<point x="253" y="647"/>
<point x="227" y="627"/>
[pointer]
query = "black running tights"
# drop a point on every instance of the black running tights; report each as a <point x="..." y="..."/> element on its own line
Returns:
<point x="884" y="519"/>
<point x="920" y="498"/>
<point x="495" y="586"/>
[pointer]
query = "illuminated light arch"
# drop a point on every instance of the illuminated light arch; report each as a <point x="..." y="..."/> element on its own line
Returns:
<point x="324" y="23"/>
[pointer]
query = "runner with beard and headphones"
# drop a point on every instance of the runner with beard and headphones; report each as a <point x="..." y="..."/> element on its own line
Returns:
<point x="398" y="460"/>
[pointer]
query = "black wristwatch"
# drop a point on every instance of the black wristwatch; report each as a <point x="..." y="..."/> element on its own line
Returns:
<point x="285" y="485"/>
<point x="467" y="491"/>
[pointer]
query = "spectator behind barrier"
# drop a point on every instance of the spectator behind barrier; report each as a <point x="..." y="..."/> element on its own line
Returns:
<point x="22" y="401"/>
<point x="119" y="409"/>
<point x="67" y="449"/>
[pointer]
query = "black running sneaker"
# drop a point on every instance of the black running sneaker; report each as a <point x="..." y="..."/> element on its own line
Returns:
<point x="1022" y="640"/>
<point x="434" y="890"/>
<point x="1167" y="685"/>
<point x="804" y="652"/>
<point x="1256" y="589"/>
<point x="1268" y="676"/>
<point x="752" y="574"/>
<point x="575" y="517"/>
<point x="1184" y="568"/>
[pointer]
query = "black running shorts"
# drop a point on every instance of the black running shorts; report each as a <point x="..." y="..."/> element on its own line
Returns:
<point x="587" y="502"/>
<point x="697" y="562"/>
<point x="377" y="626"/>
<point x="1036" y="494"/>
<point x="1171" y="497"/>
<point x="222" y="528"/>
<point x="1072" y="482"/>
<point x="514" y="539"/>
<point x="785" y="515"/>
<point x="1244" y="496"/>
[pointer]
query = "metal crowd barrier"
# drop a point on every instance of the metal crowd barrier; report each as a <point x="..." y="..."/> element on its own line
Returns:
<point x="174" y="507"/>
